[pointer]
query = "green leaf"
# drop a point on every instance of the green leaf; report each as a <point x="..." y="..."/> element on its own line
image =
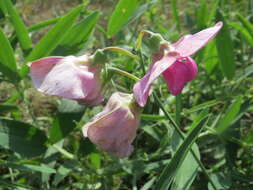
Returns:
<point x="31" y="168"/>
<point x="7" y="60"/>
<point x="175" y="14"/>
<point x="188" y="170"/>
<point x="69" y="112"/>
<point x="7" y="108"/>
<point x="20" y="28"/>
<point x="140" y="10"/>
<point x="169" y="172"/>
<point x="43" y="24"/>
<point x="229" y="116"/>
<point x="244" y="32"/>
<point x="52" y="39"/>
<point x="225" y="48"/>
<point x="122" y="13"/>
<point x="246" y="23"/>
<point x="202" y="15"/>
<point x="81" y="31"/>
<point x="21" y="138"/>
<point x="210" y="57"/>
<point x="221" y="181"/>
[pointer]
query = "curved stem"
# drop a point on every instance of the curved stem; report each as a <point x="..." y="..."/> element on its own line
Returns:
<point x="121" y="50"/>
<point x="124" y="73"/>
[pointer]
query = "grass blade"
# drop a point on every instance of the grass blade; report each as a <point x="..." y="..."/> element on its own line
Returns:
<point x="175" y="14"/>
<point x="120" y="16"/>
<point x="246" y="23"/>
<point x="80" y="32"/>
<point x="169" y="172"/>
<point x="7" y="60"/>
<point x="52" y="39"/>
<point x="230" y="115"/>
<point x="225" y="48"/>
<point x="244" y="33"/>
<point x="20" y="28"/>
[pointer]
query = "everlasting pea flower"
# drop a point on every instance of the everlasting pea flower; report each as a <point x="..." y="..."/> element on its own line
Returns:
<point x="68" y="77"/>
<point x="175" y="64"/>
<point x="114" y="129"/>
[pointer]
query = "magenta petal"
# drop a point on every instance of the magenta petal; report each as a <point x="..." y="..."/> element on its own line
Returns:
<point x="189" y="44"/>
<point x="178" y="74"/>
<point x="142" y="88"/>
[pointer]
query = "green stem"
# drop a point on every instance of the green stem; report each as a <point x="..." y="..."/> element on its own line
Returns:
<point x="182" y="136"/>
<point x="124" y="73"/>
<point x="178" y="108"/>
<point x="121" y="50"/>
<point x="64" y="152"/>
<point x="167" y="115"/>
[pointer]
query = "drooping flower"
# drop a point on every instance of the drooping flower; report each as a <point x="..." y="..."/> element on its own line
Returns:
<point x="70" y="77"/>
<point x="114" y="129"/>
<point x="175" y="64"/>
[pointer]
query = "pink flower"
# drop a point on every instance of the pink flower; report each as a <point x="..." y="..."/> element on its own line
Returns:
<point x="114" y="129"/>
<point x="68" y="77"/>
<point x="175" y="65"/>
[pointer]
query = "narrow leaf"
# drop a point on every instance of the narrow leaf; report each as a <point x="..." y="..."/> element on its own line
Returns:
<point x="122" y="13"/>
<point x="229" y="116"/>
<point x="20" y="28"/>
<point x="246" y="23"/>
<point x="170" y="170"/>
<point x="51" y="40"/>
<point x="244" y="32"/>
<point x="7" y="60"/>
<point x="188" y="170"/>
<point x="202" y="15"/>
<point x="81" y="31"/>
<point x="225" y="48"/>
<point x="175" y="14"/>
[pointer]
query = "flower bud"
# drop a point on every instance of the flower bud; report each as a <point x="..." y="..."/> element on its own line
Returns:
<point x="68" y="77"/>
<point x="114" y="129"/>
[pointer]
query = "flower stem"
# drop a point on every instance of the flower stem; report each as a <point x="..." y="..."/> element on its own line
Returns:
<point x="168" y="116"/>
<point x="182" y="136"/>
<point x="124" y="73"/>
<point x="121" y="50"/>
<point x="178" y="108"/>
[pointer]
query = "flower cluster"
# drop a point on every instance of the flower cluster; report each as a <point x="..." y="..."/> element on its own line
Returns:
<point x="79" y="78"/>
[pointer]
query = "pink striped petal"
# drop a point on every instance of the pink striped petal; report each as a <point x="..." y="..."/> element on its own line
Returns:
<point x="190" y="44"/>
<point x="114" y="129"/>
<point x="41" y="67"/>
<point x="68" y="77"/>
<point x="178" y="74"/>
<point x="142" y="88"/>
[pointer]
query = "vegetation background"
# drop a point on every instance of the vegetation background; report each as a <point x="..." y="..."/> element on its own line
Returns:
<point x="40" y="136"/>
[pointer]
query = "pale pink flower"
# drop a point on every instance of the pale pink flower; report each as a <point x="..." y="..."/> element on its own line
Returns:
<point x="175" y="65"/>
<point x="68" y="77"/>
<point x="114" y="129"/>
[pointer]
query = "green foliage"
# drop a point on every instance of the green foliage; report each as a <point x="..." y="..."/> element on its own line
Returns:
<point x="53" y="38"/>
<point x="121" y="15"/>
<point x="177" y="147"/>
<point x="225" y="48"/>
<point x="20" y="28"/>
<point x="7" y="60"/>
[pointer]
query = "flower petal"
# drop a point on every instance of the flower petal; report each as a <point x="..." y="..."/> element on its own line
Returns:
<point x="67" y="78"/>
<point x="189" y="44"/>
<point x="178" y="74"/>
<point x="142" y="88"/>
<point x="110" y="133"/>
<point x="40" y="68"/>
